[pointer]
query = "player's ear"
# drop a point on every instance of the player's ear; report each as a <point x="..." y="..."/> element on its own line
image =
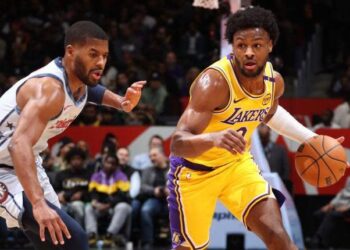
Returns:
<point x="69" y="50"/>
<point x="270" y="46"/>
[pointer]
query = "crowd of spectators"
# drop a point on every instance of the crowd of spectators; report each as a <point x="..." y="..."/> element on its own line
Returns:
<point x="166" y="43"/>
<point x="115" y="202"/>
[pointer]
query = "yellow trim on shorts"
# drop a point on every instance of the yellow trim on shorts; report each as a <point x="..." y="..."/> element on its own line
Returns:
<point x="253" y="203"/>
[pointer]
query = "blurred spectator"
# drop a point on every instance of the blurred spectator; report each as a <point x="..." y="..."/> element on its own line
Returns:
<point x="142" y="161"/>
<point x="173" y="68"/>
<point x="325" y="121"/>
<point x="276" y="156"/>
<point x="132" y="174"/>
<point x="340" y="86"/>
<point x="155" y="93"/>
<point x="342" y="113"/>
<point x="109" y="146"/>
<point x="193" y="46"/>
<point x="191" y="75"/>
<point x="110" y="74"/>
<point x="122" y="83"/>
<point x="110" y="117"/>
<point x="153" y="195"/>
<point x="89" y="116"/>
<point x="89" y="160"/>
<point x="71" y="185"/>
<point x="109" y="197"/>
<point x="48" y="164"/>
<point x="333" y="231"/>
<point x="60" y="160"/>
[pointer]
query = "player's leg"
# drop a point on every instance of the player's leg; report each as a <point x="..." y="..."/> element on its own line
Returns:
<point x="31" y="228"/>
<point x="191" y="202"/>
<point x="252" y="202"/>
<point x="265" y="219"/>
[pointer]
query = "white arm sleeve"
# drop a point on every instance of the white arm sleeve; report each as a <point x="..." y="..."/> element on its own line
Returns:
<point x="285" y="124"/>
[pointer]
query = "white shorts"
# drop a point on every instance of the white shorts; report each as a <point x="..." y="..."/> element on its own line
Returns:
<point x="11" y="195"/>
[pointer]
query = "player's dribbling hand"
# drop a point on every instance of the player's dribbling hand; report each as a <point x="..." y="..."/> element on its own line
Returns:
<point x="47" y="218"/>
<point x="132" y="96"/>
<point x="230" y="140"/>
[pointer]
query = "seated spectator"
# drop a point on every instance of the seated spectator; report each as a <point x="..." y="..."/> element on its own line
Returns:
<point x="325" y="120"/>
<point x="276" y="156"/>
<point x="333" y="230"/>
<point x="71" y="185"/>
<point x="155" y="93"/>
<point x="109" y="147"/>
<point x="342" y="112"/>
<point x="142" y="161"/>
<point x="132" y="174"/>
<point x="108" y="189"/>
<point x="89" y="116"/>
<point x="153" y="193"/>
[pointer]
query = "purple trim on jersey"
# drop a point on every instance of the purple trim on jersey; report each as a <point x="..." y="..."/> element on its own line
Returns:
<point x="101" y="177"/>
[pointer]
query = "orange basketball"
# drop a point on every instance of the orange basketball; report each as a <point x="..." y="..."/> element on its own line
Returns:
<point x="321" y="161"/>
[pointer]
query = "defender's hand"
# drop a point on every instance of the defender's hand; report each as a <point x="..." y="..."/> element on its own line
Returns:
<point x="132" y="96"/>
<point x="47" y="218"/>
<point x="230" y="140"/>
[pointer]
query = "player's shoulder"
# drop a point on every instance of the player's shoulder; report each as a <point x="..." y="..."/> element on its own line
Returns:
<point x="209" y="91"/>
<point x="46" y="85"/>
<point x="279" y="82"/>
<point x="209" y="81"/>
<point x="44" y="89"/>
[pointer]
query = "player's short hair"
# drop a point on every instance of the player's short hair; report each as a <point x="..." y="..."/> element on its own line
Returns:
<point x="252" y="17"/>
<point x="80" y="31"/>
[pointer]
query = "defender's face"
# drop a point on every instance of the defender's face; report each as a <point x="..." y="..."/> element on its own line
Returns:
<point x="90" y="60"/>
<point x="251" y="48"/>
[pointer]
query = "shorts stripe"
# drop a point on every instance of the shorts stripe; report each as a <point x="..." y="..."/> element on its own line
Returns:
<point x="253" y="202"/>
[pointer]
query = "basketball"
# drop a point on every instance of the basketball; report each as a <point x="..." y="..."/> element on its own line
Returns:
<point x="321" y="161"/>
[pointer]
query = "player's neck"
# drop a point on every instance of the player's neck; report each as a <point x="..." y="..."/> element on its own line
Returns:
<point x="75" y="85"/>
<point x="254" y="85"/>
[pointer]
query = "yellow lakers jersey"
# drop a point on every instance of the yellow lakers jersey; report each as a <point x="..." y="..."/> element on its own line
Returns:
<point x="243" y="113"/>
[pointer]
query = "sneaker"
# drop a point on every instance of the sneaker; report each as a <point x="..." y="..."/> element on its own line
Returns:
<point x="92" y="239"/>
<point x="108" y="240"/>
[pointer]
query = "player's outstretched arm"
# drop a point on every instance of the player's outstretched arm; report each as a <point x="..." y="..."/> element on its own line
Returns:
<point x="282" y="121"/>
<point x="39" y="101"/>
<point x="209" y="92"/>
<point x="127" y="102"/>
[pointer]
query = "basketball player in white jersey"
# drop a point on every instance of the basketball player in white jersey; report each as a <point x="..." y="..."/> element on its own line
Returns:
<point x="34" y="110"/>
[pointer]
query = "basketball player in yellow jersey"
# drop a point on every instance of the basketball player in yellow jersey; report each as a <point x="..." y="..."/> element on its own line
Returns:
<point x="210" y="147"/>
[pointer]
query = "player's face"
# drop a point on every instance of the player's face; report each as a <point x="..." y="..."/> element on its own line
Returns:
<point x="90" y="61"/>
<point x="251" y="48"/>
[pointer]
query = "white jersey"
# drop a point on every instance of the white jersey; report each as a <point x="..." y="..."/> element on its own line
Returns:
<point x="9" y="116"/>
